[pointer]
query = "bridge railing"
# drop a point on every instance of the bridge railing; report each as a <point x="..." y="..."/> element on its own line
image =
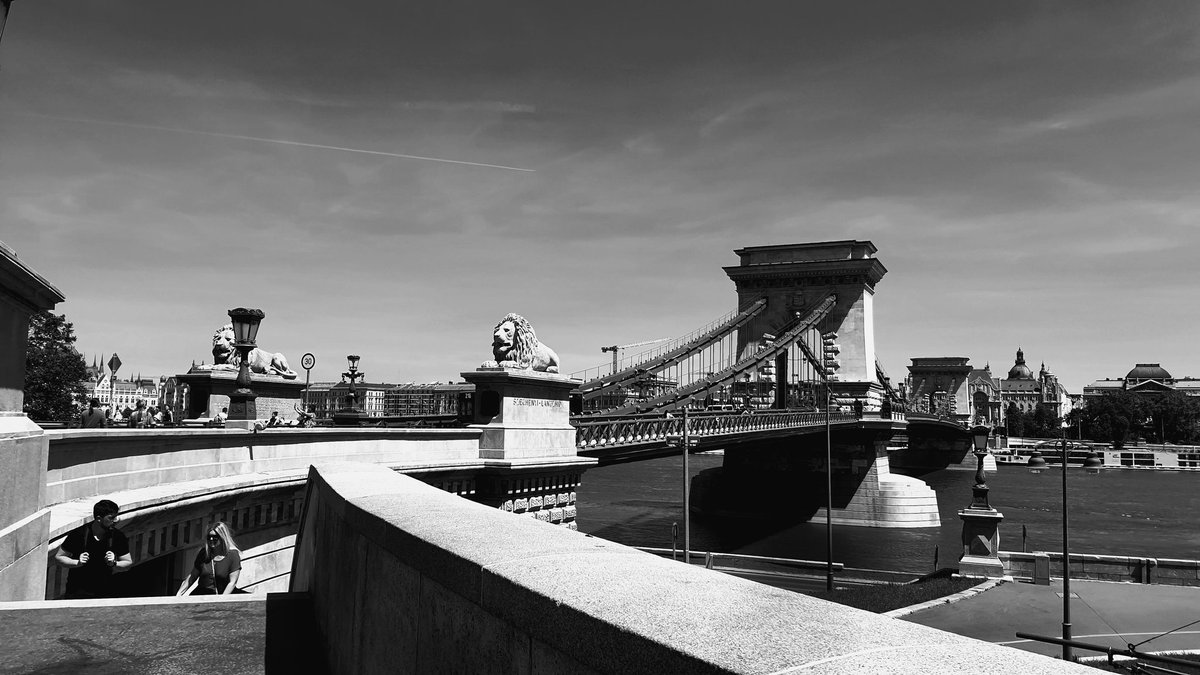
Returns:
<point x="647" y="430"/>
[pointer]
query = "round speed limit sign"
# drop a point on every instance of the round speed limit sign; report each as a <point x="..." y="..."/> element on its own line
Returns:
<point x="308" y="361"/>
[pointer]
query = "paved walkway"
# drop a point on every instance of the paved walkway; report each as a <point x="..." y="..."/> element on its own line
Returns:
<point x="237" y="635"/>
<point x="1105" y="613"/>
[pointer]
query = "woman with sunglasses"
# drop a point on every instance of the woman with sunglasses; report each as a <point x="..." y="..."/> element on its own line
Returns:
<point x="217" y="565"/>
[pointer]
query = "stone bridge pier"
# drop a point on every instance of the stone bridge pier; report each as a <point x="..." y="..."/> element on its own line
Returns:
<point x="784" y="481"/>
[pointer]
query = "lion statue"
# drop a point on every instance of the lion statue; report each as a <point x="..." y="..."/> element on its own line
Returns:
<point x="225" y="357"/>
<point x="515" y="345"/>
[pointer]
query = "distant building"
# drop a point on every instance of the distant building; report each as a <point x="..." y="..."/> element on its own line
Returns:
<point x="1029" y="393"/>
<point x="122" y="394"/>
<point x="938" y="386"/>
<point x="383" y="399"/>
<point x="1149" y="379"/>
<point x="948" y="387"/>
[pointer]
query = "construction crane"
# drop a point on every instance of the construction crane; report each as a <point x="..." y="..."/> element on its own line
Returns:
<point x="616" y="349"/>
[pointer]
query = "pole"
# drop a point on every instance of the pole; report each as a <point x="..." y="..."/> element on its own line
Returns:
<point x="1066" y="617"/>
<point x="687" y="493"/>
<point x="307" y="372"/>
<point x="828" y="491"/>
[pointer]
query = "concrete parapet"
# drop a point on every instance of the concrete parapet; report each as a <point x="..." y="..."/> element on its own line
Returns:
<point x="406" y="578"/>
<point x="1040" y="565"/>
<point x="98" y="462"/>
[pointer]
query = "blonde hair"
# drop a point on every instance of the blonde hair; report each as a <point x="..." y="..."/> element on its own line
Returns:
<point x="222" y="530"/>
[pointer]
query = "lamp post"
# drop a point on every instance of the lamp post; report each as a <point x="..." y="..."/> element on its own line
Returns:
<point x="352" y="375"/>
<point x="1092" y="464"/>
<point x="828" y="490"/>
<point x="685" y="442"/>
<point x="349" y="414"/>
<point x="979" y="492"/>
<point x="981" y="522"/>
<point x="245" y="332"/>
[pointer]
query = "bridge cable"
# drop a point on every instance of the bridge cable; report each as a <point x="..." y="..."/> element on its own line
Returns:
<point x="792" y="334"/>
<point x="595" y="387"/>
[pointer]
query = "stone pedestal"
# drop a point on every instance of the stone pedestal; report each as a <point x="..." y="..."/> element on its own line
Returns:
<point x="533" y="468"/>
<point x="209" y="390"/>
<point x="522" y="413"/>
<point x="354" y="418"/>
<point x="981" y="543"/>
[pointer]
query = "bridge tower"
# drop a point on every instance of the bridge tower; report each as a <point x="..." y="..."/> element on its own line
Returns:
<point x="794" y="278"/>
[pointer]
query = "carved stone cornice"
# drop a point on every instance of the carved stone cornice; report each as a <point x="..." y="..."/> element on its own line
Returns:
<point x="825" y="273"/>
<point x="24" y="287"/>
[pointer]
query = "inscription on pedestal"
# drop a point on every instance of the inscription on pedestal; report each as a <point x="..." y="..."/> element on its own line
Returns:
<point x="538" y="402"/>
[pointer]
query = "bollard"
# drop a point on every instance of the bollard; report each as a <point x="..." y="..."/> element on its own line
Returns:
<point x="1041" y="568"/>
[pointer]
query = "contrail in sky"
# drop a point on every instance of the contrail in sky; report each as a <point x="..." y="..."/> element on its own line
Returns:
<point x="278" y="141"/>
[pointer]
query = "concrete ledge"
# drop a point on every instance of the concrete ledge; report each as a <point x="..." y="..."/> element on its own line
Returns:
<point x="1165" y="571"/>
<point x="407" y="578"/>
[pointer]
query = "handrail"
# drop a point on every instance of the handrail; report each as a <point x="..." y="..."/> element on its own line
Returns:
<point x="656" y="430"/>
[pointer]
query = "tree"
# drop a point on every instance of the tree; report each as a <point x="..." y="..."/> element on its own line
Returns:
<point x="1014" y="420"/>
<point x="54" y="370"/>
<point x="1115" y="417"/>
<point x="1170" y="417"/>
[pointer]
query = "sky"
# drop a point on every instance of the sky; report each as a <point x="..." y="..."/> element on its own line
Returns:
<point x="390" y="178"/>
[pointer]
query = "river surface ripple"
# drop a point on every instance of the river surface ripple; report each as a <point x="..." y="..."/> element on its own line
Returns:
<point x="1115" y="512"/>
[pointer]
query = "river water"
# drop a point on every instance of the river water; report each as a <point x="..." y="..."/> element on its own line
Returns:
<point x="1115" y="512"/>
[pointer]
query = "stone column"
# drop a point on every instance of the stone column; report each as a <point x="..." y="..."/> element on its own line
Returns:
<point x="24" y="518"/>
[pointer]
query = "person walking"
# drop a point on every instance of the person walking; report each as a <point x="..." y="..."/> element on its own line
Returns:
<point x="217" y="566"/>
<point x="93" y="417"/>
<point x="93" y="552"/>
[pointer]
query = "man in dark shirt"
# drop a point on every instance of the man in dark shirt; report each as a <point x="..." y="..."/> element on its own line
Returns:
<point x="92" y="552"/>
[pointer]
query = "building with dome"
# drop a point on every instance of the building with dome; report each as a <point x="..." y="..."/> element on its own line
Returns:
<point x="990" y="396"/>
<point x="949" y="387"/>
<point x="1149" y="379"/>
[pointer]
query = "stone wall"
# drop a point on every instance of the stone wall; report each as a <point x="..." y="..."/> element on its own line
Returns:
<point x="406" y="578"/>
<point x="1133" y="569"/>
<point x="87" y="463"/>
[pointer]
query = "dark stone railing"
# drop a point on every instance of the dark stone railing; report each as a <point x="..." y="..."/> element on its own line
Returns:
<point x="649" y="430"/>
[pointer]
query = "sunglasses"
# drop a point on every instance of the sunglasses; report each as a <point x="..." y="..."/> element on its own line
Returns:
<point x="214" y="537"/>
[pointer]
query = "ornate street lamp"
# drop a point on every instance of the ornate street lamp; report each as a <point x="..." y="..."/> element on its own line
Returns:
<point x="352" y="375"/>
<point x="981" y="522"/>
<point x="979" y="492"/>
<point x="350" y="414"/>
<point x="245" y="332"/>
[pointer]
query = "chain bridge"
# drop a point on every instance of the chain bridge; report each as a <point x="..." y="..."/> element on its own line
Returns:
<point x="787" y="387"/>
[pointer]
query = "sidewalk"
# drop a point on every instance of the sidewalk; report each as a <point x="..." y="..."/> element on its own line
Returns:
<point x="1104" y="613"/>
